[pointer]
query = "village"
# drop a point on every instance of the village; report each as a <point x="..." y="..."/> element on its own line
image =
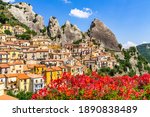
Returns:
<point x="29" y="65"/>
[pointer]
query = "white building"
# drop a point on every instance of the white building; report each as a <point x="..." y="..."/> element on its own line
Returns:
<point x="37" y="82"/>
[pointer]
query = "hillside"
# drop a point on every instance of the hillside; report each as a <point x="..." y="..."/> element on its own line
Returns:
<point x="8" y="15"/>
<point x="144" y="50"/>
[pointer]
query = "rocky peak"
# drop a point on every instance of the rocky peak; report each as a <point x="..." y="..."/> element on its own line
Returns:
<point x="68" y="23"/>
<point x="71" y="32"/>
<point x="68" y="32"/>
<point x="54" y="28"/>
<point x="103" y="34"/>
<point x="24" y="13"/>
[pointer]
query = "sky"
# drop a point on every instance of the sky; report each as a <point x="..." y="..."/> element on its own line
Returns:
<point x="128" y="19"/>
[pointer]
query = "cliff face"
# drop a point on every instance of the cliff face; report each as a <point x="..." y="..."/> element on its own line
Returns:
<point x="67" y="32"/>
<point x="24" y="13"/>
<point x="71" y="33"/>
<point x="54" y="30"/>
<point x="102" y="34"/>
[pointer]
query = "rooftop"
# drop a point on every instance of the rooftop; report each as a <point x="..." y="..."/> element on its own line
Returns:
<point x="7" y="97"/>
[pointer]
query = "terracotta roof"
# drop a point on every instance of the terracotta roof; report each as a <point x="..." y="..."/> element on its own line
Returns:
<point x="43" y="66"/>
<point x="35" y="76"/>
<point x="11" y="75"/>
<point x="52" y="60"/>
<point x="2" y="76"/>
<point x="42" y="50"/>
<point x="56" y="68"/>
<point x="25" y="68"/>
<point x="22" y="76"/>
<point x="62" y="67"/>
<point x="16" y="63"/>
<point x="4" y="66"/>
<point x="49" y="69"/>
<point x="7" y="97"/>
<point x="3" y="53"/>
<point x="30" y="51"/>
<point x="31" y="66"/>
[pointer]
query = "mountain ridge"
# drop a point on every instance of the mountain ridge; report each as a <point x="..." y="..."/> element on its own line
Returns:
<point x="144" y="50"/>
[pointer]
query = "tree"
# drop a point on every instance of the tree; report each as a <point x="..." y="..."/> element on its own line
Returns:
<point x="7" y="32"/>
<point x="22" y="95"/>
<point x="24" y="37"/>
<point x="120" y="46"/>
<point x="132" y="73"/>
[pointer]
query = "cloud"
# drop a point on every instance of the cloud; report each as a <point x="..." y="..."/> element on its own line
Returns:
<point x="67" y="1"/>
<point x="144" y="42"/>
<point x="85" y="13"/>
<point x="8" y="0"/>
<point x="129" y="44"/>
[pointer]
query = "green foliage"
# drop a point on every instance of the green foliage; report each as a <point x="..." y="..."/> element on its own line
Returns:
<point x="131" y="73"/>
<point x="21" y="95"/>
<point x="30" y="32"/>
<point x="35" y="20"/>
<point x="144" y="51"/>
<point x="120" y="46"/>
<point x="11" y="93"/>
<point x="107" y="71"/>
<point x="43" y="31"/>
<point x="7" y="32"/>
<point x="23" y="36"/>
<point x="77" y="42"/>
<point x="89" y="72"/>
<point x="7" y="18"/>
<point x="94" y="42"/>
<point x="3" y="18"/>
<point x="3" y="3"/>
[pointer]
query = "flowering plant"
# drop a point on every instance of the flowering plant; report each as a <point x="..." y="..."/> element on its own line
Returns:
<point x="96" y="87"/>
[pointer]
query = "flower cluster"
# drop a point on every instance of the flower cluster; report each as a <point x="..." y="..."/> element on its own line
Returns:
<point x="95" y="87"/>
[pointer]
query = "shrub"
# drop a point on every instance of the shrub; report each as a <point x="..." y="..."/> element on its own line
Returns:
<point x="7" y="32"/>
<point x="96" y="87"/>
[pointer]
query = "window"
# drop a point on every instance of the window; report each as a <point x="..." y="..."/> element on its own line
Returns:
<point x="36" y="81"/>
<point x="25" y="81"/>
<point x="41" y="80"/>
<point x="25" y="87"/>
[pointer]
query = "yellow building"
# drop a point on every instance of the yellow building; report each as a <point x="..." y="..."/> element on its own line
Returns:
<point x="14" y="54"/>
<point x="23" y="82"/>
<point x="6" y="27"/>
<point x="52" y="74"/>
<point x="39" y="69"/>
<point x="16" y="67"/>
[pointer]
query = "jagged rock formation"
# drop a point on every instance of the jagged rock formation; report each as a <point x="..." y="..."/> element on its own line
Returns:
<point x="67" y="32"/>
<point x="54" y="30"/>
<point x="102" y="34"/>
<point x="71" y="33"/>
<point x="24" y="13"/>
